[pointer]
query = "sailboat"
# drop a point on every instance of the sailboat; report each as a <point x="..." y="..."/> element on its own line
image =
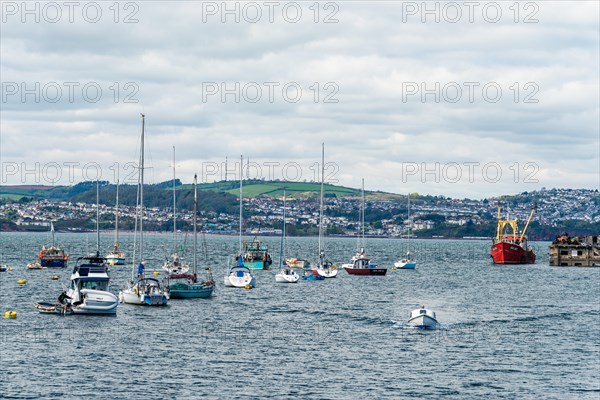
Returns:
<point x="115" y="255"/>
<point x="176" y="264"/>
<point x="285" y="274"/>
<point x="184" y="285"/>
<point x="239" y="275"/>
<point x="360" y="264"/>
<point x="53" y="257"/>
<point x="323" y="267"/>
<point x="142" y="290"/>
<point x="407" y="262"/>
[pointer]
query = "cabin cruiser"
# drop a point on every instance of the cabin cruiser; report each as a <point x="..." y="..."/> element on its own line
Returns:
<point x="88" y="291"/>
<point x="423" y="318"/>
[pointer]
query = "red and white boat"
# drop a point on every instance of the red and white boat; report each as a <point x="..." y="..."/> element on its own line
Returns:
<point x="512" y="247"/>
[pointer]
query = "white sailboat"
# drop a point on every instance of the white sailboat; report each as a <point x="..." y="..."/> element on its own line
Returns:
<point x="239" y="275"/>
<point x="115" y="255"/>
<point x="142" y="290"/>
<point x="176" y="264"/>
<point x="407" y="262"/>
<point x="286" y="274"/>
<point x="323" y="267"/>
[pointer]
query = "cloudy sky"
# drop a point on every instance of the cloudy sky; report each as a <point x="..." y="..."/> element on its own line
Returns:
<point x="463" y="100"/>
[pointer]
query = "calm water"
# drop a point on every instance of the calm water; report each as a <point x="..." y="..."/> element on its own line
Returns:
<point x="507" y="331"/>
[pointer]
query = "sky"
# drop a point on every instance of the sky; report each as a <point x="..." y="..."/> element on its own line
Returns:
<point x="461" y="99"/>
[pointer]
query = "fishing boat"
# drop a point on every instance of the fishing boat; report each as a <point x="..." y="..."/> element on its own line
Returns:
<point x="407" y="262"/>
<point x="53" y="256"/>
<point x="256" y="255"/>
<point x="360" y="264"/>
<point x="89" y="289"/>
<point x="285" y="274"/>
<point x="423" y="318"/>
<point x="323" y="267"/>
<point x="186" y="285"/>
<point x="297" y="263"/>
<point x="175" y="265"/>
<point x="239" y="275"/>
<point x="141" y="290"/>
<point x="511" y="247"/>
<point x="115" y="256"/>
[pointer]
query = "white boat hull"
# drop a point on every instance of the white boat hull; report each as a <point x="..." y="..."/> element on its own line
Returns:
<point x="129" y="296"/>
<point x="286" y="278"/>
<point x="405" y="264"/>
<point x="423" y="318"/>
<point x="327" y="272"/>
<point x="233" y="280"/>
<point x="94" y="302"/>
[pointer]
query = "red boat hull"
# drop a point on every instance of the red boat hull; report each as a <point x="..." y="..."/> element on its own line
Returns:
<point x="366" y="271"/>
<point x="510" y="253"/>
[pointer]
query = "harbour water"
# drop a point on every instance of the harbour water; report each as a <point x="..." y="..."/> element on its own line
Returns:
<point x="526" y="331"/>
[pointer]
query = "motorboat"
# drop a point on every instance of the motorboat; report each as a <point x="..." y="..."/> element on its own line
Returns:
<point x="423" y="318"/>
<point x="176" y="265"/>
<point x="88" y="291"/>
<point x="35" y="265"/>
<point x="360" y="264"/>
<point x="309" y="275"/>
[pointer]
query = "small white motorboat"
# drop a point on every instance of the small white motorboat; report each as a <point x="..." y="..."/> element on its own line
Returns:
<point x="89" y="288"/>
<point x="423" y="318"/>
<point x="239" y="276"/>
<point x="287" y="275"/>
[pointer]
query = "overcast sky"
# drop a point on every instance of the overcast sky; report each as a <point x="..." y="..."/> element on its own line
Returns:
<point x="404" y="101"/>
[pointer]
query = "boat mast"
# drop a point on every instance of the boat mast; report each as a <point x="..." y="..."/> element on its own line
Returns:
<point x="52" y="231"/>
<point x="142" y="191"/>
<point x="117" y="215"/>
<point x="97" y="218"/>
<point x="408" y="231"/>
<point x="241" y="198"/>
<point x="321" y="250"/>
<point x="363" y="214"/>
<point x="195" y="218"/>
<point x="282" y="235"/>
<point x="174" y="211"/>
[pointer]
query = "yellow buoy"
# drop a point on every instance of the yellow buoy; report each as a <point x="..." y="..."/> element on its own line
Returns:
<point x="10" y="269"/>
<point x="248" y="287"/>
<point x="13" y="315"/>
<point x="156" y="273"/>
<point x="7" y="314"/>
<point x="21" y="281"/>
<point x="55" y="277"/>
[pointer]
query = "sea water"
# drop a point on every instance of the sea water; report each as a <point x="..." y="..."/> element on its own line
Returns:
<point x="522" y="331"/>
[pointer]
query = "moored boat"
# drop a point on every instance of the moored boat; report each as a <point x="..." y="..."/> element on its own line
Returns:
<point x="408" y="262"/>
<point x="88" y="292"/>
<point x="240" y="277"/>
<point x="115" y="256"/>
<point x="511" y="247"/>
<point x="53" y="256"/>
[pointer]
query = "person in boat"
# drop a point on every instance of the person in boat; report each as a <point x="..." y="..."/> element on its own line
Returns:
<point x="141" y="270"/>
<point x="62" y="299"/>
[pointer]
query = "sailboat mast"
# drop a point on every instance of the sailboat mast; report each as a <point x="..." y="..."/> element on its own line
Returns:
<point x="362" y="225"/>
<point x="142" y="192"/>
<point x="195" y="218"/>
<point x="174" y="211"/>
<point x="241" y="198"/>
<point x="97" y="218"/>
<point x="282" y="235"/>
<point x="52" y="230"/>
<point x="321" y="199"/>
<point x="117" y="214"/>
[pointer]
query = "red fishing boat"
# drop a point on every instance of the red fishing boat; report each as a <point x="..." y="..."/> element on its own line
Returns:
<point x="511" y="247"/>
